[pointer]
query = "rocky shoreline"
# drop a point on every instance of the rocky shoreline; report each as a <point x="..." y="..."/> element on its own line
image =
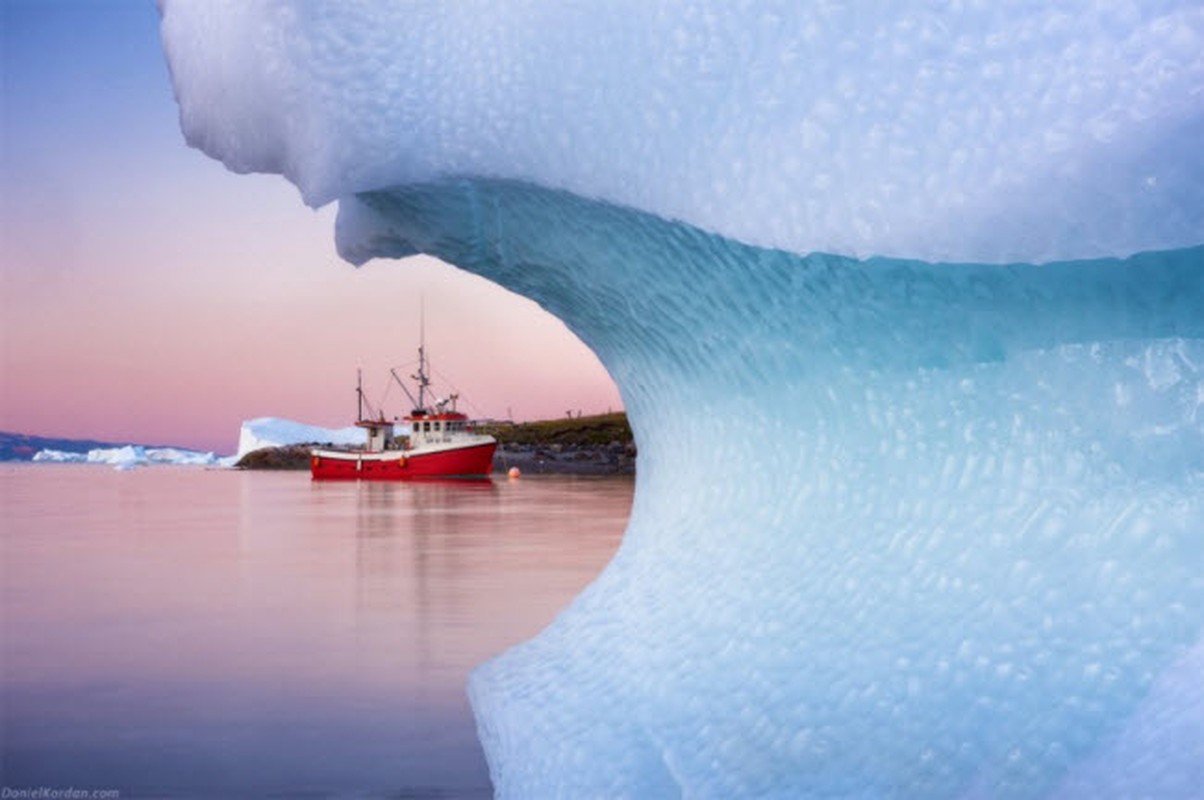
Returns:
<point x="615" y="458"/>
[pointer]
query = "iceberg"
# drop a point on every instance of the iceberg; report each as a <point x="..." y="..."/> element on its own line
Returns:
<point x="907" y="312"/>
<point x="261" y="432"/>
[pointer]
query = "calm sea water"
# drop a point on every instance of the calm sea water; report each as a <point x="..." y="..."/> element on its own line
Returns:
<point x="201" y="633"/>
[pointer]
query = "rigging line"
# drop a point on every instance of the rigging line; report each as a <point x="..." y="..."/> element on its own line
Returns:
<point x="463" y="398"/>
<point x="449" y="383"/>
<point x="409" y="395"/>
<point x="383" y="400"/>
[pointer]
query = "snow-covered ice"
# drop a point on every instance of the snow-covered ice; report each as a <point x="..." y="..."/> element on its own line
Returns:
<point x="974" y="131"/>
<point x="902" y="528"/>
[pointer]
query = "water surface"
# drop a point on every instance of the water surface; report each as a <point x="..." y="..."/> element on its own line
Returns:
<point x="196" y="633"/>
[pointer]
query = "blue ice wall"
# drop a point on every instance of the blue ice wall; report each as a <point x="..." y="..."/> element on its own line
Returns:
<point x="901" y="529"/>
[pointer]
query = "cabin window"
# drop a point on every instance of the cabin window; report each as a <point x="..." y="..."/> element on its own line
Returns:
<point x="426" y="427"/>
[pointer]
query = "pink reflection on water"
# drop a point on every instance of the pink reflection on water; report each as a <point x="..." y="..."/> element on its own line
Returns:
<point x="190" y="631"/>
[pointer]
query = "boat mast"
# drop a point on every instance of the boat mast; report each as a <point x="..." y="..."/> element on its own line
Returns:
<point x="359" y="393"/>
<point x="421" y="377"/>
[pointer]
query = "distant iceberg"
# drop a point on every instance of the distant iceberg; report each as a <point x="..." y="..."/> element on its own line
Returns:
<point x="60" y="457"/>
<point x="132" y="455"/>
<point x="254" y="434"/>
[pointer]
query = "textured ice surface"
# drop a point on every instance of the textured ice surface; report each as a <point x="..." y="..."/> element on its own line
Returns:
<point x="901" y="528"/>
<point x="981" y="131"/>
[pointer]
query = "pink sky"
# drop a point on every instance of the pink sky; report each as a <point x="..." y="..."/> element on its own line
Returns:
<point x="148" y="295"/>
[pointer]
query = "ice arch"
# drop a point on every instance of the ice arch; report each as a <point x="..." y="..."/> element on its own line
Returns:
<point x="902" y="528"/>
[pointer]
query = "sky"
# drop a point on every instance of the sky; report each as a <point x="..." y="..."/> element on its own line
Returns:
<point x="147" y="295"/>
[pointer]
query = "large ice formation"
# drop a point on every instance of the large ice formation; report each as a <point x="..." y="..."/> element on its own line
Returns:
<point x="917" y="528"/>
<point x="261" y="432"/>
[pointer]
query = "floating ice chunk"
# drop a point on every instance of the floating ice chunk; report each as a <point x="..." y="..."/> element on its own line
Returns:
<point x="60" y="456"/>
<point x="119" y="457"/>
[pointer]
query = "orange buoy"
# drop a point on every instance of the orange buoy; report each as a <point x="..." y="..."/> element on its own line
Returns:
<point x="514" y="472"/>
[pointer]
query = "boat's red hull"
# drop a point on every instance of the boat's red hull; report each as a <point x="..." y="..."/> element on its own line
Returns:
<point x="473" y="461"/>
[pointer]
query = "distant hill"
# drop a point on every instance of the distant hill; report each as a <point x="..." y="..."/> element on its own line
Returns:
<point x="596" y="445"/>
<point x="593" y="431"/>
<point x="22" y="447"/>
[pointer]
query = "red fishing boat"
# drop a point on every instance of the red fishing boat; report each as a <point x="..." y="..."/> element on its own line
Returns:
<point x="435" y="442"/>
